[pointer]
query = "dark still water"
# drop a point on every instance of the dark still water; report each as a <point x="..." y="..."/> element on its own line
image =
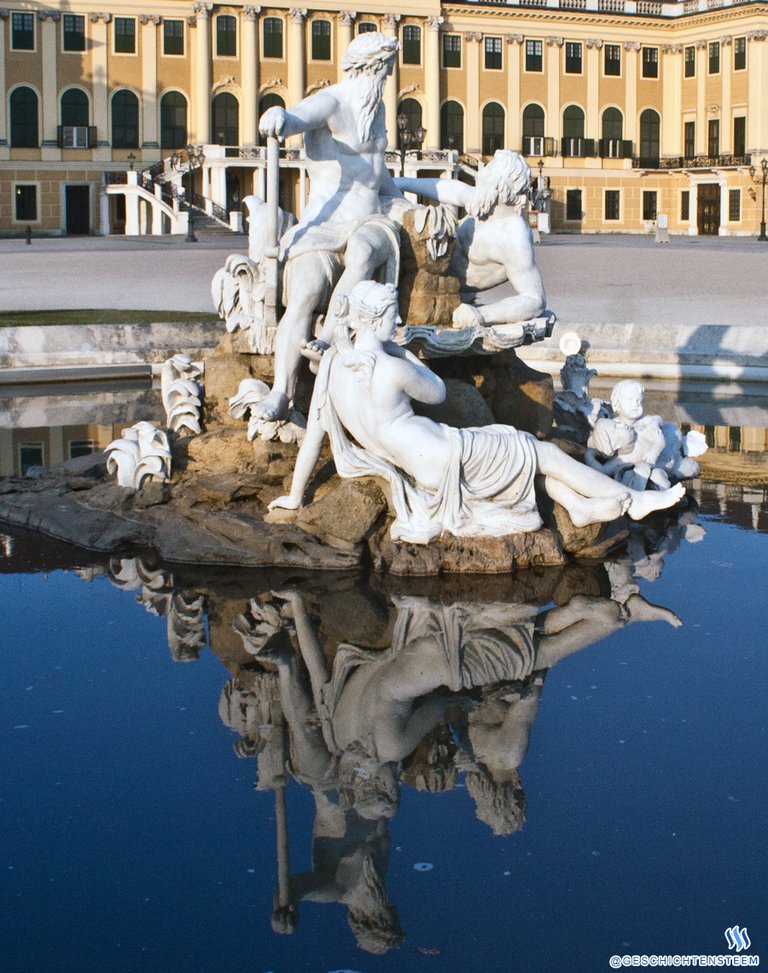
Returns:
<point x="279" y="774"/>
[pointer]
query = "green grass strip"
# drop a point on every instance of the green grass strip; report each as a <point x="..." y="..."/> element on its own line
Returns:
<point x="24" y="319"/>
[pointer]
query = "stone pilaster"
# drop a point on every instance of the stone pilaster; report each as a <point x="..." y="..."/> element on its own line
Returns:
<point x="49" y="56"/>
<point x="631" y="56"/>
<point x="392" y="86"/>
<point x="201" y="108"/>
<point x="472" y="41"/>
<point x="249" y="61"/>
<point x="150" y="135"/>
<point x="432" y="82"/>
<point x="514" y="114"/>
<point x="345" y="33"/>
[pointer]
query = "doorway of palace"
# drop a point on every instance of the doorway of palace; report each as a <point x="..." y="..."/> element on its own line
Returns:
<point x="77" y="202"/>
<point x="708" y="212"/>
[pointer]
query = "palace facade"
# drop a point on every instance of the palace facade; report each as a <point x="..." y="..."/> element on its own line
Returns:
<point x="635" y="113"/>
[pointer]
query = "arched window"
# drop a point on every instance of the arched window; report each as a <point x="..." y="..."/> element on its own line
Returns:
<point x="173" y="121"/>
<point x="125" y="120"/>
<point x="226" y="36"/>
<point x="270" y="101"/>
<point x="74" y="108"/>
<point x="650" y="132"/>
<point x="24" y="111"/>
<point x="273" y="37"/>
<point x="225" y="116"/>
<point x="493" y="128"/>
<point x="321" y="40"/>
<point x="533" y="121"/>
<point x="613" y="124"/>
<point x="573" y="122"/>
<point x="452" y="126"/>
<point x="412" y="111"/>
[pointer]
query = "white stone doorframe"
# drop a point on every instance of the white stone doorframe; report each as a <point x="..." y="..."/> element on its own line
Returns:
<point x="695" y="179"/>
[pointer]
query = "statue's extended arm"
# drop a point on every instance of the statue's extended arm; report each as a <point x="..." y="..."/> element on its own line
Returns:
<point x="448" y="191"/>
<point x="309" y="453"/>
<point x="310" y="113"/>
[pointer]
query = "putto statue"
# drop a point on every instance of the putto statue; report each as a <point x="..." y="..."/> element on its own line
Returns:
<point x="639" y="450"/>
<point x="463" y="481"/>
<point x="343" y="236"/>
<point x="494" y="244"/>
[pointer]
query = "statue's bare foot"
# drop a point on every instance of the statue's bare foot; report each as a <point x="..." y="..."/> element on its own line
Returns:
<point x="641" y="610"/>
<point x="315" y="349"/>
<point x="645" y="502"/>
<point x="285" y="503"/>
<point x="271" y="409"/>
<point x="598" y="510"/>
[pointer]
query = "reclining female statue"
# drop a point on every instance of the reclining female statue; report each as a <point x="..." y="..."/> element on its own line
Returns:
<point x="462" y="481"/>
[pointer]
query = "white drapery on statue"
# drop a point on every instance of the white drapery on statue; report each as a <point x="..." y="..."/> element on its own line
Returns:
<point x="488" y="488"/>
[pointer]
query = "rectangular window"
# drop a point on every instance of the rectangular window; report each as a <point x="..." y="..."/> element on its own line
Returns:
<point x="649" y="204"/>
<point x="713" y="138"/>
<point x="273" y="37"/>
<point x="23" y="32"/>
<point x="612" y="60"/>
<point x="226" y="36"/>
<point x="411" y="44"/>
<point x="734" y="205"/>
<point x="572" y="57"/>
<point x="25" y="204"/>
<point x="534" y="55"/>
<point x="650" y="62"/>
<point x="366" y="28"/>
<point x="82" y="447"/>
<point x="73" y="32"/>
<point x="690" y="62"/>
<point x="740" y="135"/>
<point x="451" y="51"/>
<point x="613" y="204"/>
<point x="573" y="204"/>
<point x="689" y="139"/>
<point x="173" y="37"/>
<point x="30" y="454"/>
<point x="714" y="57"/>
<point x="493" y="54"/>
<point x="125" y="35"/>
<point x="685" y="205"/>
<point x="321" y="40"/>
<point x="739" y="53"/>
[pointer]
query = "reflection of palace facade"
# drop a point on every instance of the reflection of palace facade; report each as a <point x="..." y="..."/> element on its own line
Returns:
<point x="21" y="449"/>
<point x="633" y="109"/>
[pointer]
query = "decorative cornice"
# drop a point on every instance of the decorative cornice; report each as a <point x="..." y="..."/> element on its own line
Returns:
<point x="473" y="35"/>
<point x="202" y="10"/>
<point x="726" y="41"/>
<point x="270" y="83"/>
<point x="297" y="15"/>
<point x="515" y="39"/>
<point x="391" y="21"/>
<point x="672" y="48"/>
<point x="632" y="46"/>
<point x="555" y="41"/>
<point x="49" y="15"/>
<point x="757" y="35"/>
<point x="594" y="42"/>
<point x="322" y="83"/>
<point x="347" y="18"/>
<point x="251" y="13"/>
<point x="435" y="23"/>
<point x="150" y="18"/>
<point x="95" y="18"/>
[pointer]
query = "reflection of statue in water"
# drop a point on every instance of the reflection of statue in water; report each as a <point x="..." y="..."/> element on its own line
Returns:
<point x="640" y="450"/>
<point x="354" y="724"/>
<point x="463" y="481"/>
<point x="494" y="244"/>
<point x="342" y="236"/>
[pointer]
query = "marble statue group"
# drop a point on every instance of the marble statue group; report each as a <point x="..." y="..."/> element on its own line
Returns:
<point x="339" y="273"/>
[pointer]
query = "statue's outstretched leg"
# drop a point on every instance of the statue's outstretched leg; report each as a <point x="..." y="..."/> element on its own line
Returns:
<point x="308" y="288"/>
<point x="591" y="497"/>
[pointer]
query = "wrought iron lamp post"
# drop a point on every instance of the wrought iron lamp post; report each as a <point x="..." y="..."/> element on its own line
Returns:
<point x="195" y="160"/>
<point x="408" y="138"/>
<point x="763" y="179"/>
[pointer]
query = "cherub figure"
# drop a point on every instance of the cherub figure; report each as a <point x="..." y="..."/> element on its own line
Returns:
<point x="641" y="451"/>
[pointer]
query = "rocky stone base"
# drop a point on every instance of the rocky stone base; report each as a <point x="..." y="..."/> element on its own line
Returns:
<point x="215" y="512"/>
